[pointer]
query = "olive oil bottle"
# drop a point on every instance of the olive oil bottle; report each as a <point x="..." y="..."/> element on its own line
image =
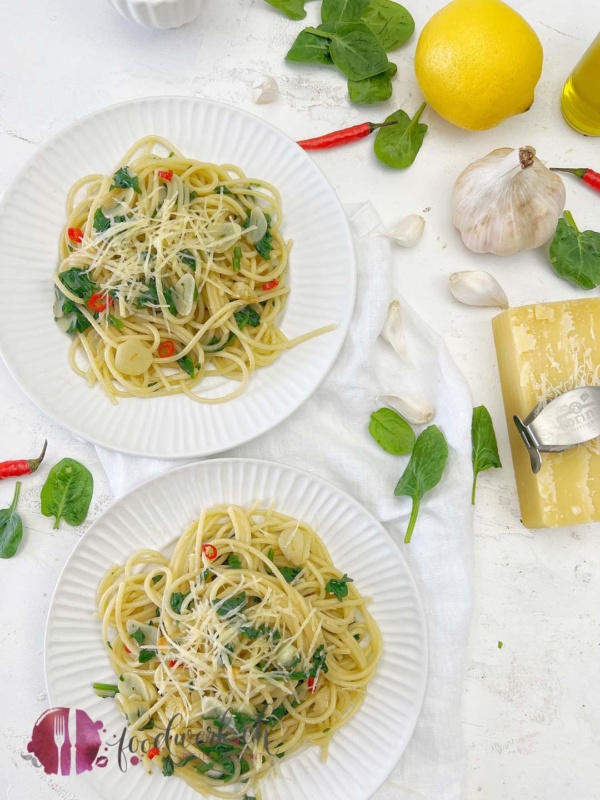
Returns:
<point x="581" y="93"/>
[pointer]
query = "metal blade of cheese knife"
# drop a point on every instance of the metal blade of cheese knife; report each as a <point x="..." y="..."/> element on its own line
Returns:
<point x="570" y="419"/>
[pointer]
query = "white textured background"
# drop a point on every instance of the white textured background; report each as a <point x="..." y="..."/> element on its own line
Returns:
<point x="532" y="709"/>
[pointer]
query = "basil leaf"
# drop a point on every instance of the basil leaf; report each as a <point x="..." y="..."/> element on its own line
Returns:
<point x="397" y="145"/>
<point x="343" y="10"/>
<point x="485" y="447"/>
<point x="309" y="48"/>
<point x="392" y="432"/>
<point x="294" y="9"/>
<point x="123" y="179"/>
<point x="67" y="493"/>
<point x="575" y="255"/>
<point x="11" y="527"/>
<point x="338" y="586"/>
<point x="79" y="283"/>
<point x="234" y="561"/>
<point x="377" y="89"/>
<point x="101" y="222"/>
<point x="390" y="22"/>
<point x="354" y="49"/>
<point x="424" y="471"/>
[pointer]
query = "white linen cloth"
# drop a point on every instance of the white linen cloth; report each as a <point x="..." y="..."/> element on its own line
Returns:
<point x="328" y="435"/>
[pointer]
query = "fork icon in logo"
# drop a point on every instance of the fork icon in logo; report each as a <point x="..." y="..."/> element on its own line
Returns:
<point x="59" y="741"/>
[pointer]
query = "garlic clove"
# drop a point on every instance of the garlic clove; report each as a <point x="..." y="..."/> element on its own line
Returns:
<point x="407" y="232"/>
<point x="507" y="201"/>
<point x="265" y="89"/>
<point x="414" y="409"/>
<point x="393" y="329"/>
<point x="475" y="288"/>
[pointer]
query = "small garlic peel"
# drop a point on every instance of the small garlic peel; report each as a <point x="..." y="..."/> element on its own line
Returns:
<point x="393" y="329"/>
<point x="507" y="201"/>
<point x="407" y="232"/>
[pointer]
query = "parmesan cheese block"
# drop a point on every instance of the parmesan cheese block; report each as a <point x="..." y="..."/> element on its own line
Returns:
<point x="544" y="350"/>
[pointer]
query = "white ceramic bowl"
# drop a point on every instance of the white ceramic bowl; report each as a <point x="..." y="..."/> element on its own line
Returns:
<point x="159" y="13"/>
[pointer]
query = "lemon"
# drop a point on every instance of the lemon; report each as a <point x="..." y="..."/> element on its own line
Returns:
<point x="478" y="62"/>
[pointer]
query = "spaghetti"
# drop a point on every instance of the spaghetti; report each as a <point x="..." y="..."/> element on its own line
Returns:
<point x="172" y="270"/>
<point x="242" y="647"/>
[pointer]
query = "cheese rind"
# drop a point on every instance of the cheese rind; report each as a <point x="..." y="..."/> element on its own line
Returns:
<point x="544" y="350"/>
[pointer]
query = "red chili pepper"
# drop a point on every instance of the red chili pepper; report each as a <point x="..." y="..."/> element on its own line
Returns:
<point x="153" y="752"/>
<point x="345" y="136"/>
<point x="127" y="650"/>
<point x="12" y="469"/>
<point x="99" y="301"/>
<point x="270" y="285"/>
<point x="586" y="175"/>
<point x="312" y="685"/>
<point x="172" y="663"/>
<point x="165" y="174"/>
<point x="210" y="551"/>
<point x="166" y="349"/>
<point x="75" y="234"/>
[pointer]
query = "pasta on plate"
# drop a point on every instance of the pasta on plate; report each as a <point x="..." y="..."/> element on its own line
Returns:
<point x="238" y="650"/>
<point x="172" y="271"/>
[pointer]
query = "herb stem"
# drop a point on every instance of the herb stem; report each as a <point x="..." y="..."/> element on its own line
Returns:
<point x="570" y="220"/>
<point x="412" y="521"/>
<point x="15" y="500"/>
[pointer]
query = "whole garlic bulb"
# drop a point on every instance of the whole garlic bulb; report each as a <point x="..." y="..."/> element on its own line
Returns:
<point x="507" y="201"/>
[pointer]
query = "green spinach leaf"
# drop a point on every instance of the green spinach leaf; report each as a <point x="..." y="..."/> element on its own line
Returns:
<point x="168" y="768"/>
<point x="146" y="655"/>
<point x="234" y="561"/>
<point x="187" y="365"/>
<point x="216" y="340"/>
<point x="11" y="527"/>
<point x="123" y="179"/>
<point x="397" y="145"/>
<point x="338" y="586"/>
<point x="177" y="599"/>
<point x="391" y="432"/>
<point x="294" y="9"/>
<point x="575" y="254"/>
<point x="67" y="493"/>
<point x="139" y="636"/>
<point x="377" y="89"/>
<point x="186" y="257"/>
<point x="309" y="48"/>
<point x="424" y="471"/>
<point x="79" y="283"/>
<point x="343" y="10"/>
<point x="235" y="603"/>
<point x="290" y="573"/>
<point x="318" y="662"/>
<point x="485" y="447"/>
<point x="354" y="49"/>
<point x="247" y="316"/>
<point x="101" y="222"/>
<point x="390" y="22"/>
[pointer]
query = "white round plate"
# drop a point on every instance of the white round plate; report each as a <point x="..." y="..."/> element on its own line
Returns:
<point x="363" y="752"/>
<point x="322" y="277"/>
